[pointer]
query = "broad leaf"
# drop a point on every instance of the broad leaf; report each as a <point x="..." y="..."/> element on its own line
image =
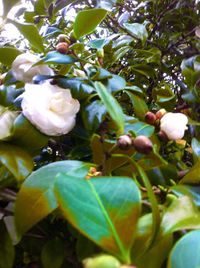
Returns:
<point x="193" y="176"/>
<point x="181" y="214"/>
<point x="139" y="105"/>
<point x="36" y="199"/>
<point x="8" y="55"/>
<point x="87" y="20"/>
<point x="53" y="253"/>
<point x="139" y="128"/>
<point x="30" y="32"/>
<point x="195" y="144"/>
<point x="93" y="115"/>
<point x="100" y="208"/>
<point x="16" y="160"/>
<point x="57" y="58"/>
<point x="7" y="251"/>
<point x="137" y="30"/>
<point x="27" y="136"/>
<point x="112" y="106"/>
<point x="185" y="253"/>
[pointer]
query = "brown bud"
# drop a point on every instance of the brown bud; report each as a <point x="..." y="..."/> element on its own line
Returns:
<point x="162" y="136"/>
<point x="124" y="142"/>
<point x="150" y="118"/>
<point x="143" y="144"/>
<point x="62" y="47"/>
<point x="160" y="113"/>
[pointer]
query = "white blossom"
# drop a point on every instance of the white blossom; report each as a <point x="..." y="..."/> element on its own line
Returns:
<point x="22" y="68"/>
<point x="50" y="108"/>
<point x="174" y="125"/>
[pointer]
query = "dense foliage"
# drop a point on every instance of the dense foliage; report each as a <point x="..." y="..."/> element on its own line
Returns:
<point x="100" y="134"/>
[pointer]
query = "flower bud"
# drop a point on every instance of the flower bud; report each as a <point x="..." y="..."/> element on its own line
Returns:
<point x="62" y="47"/>
<point x="143" y="144"/>
<point x="160" y="113"/>
<point x="150" y="118"/>
<point x="103" y="261"/>
<point x="124" y="142"/>
<point x="63" y="38"/>
<point x="162" y="136"/>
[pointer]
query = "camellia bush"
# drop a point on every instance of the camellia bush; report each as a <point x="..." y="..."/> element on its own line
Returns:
<point x="100" y="134"/>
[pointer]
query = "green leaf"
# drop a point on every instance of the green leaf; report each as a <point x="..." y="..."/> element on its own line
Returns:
<point x="8" y="55"/>
<point x="192" y="191"/>
<point x="16" y="160"/>
<point x="112" y="106"/>
<point x="155" y="257"/>
<point x="181" y="214"/>
<point x="139" y="128"/>
<point x="7" y="251"/>
<point x="185" y="253"/>
<point x="97" y="43"/>
<point x="57" y="58"/>
<point x="27" y="136"/>
<point x="80" y="89"/>
<point x="93" y="115"/>
<point x="38" y="190"/>
<point x="193" y="176"/>
<point x="138" y="30"/>
<point x="87" y="20"/>
<point x="53" y="253"/>
<point x="30" y="32"/>
<point x="115" y="83"/>
<point x="100" y="208"/>
<point x="139" y="105"/>
<point x="195" y="144"/>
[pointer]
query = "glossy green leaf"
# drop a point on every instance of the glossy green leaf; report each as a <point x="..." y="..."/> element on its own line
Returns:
<point x="30" y="32"/>
<point x="38" y="190"/>
<point x="137" y="29"/>
<point x="191" y="191"/>
<point x="53" y="253"/>
<point x="90" y="207"/>
<point x="97" y="43"/>
<point x="155" y="257"/>
<point x="57" y="58"/>
<point x="115" y="83"/>
<point x="181" y="214"/>
<point x="190" y="70"/>
<point x="185" y="253"/>
<point x="139" y="105"/>
<point x="193" y="176"/>
<point x="16" y="160"/>
<point x="87" y="20"/>
<point x="195" y="144"/>
<point x="7" y="251"/>
<point x="139" y="128"/>
<point x="94" y="114"/>
<point x="27" y="136"/>
<point x="112" y="106"/>
<point x="8" y="55"/>
<point x="80" y="89"/>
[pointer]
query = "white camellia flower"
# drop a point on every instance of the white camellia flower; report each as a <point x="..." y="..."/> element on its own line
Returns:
<point x="174" y="125"/>
<point x="6" y="122"/>
<point x="22" y="68"/>
<point x="50" y="108"/>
